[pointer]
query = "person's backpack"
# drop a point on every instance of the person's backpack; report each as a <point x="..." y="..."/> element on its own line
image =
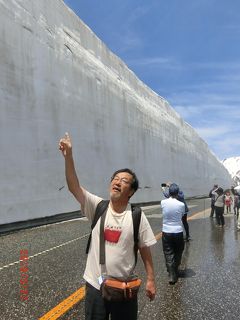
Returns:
<point x="136" y="216"/>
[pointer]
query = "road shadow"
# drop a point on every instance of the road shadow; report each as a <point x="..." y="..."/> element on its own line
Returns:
<point x="186" y="273"/>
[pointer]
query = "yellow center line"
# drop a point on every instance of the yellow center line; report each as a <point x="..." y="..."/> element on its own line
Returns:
<point x="65" y="305"/>
<point x="78" y="295"/>
<point x="201" y="213"/>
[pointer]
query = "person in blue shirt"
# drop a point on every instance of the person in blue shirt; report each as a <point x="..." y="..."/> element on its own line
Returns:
<point x="180" y="197"/>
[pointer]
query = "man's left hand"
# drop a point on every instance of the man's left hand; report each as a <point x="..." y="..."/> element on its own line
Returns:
<point x="150" y="289"/>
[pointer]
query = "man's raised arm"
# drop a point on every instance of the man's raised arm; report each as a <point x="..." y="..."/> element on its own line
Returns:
<point x="65" y="145"/>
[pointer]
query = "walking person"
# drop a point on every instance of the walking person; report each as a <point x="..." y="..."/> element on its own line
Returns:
<point x="117" y="233"/>
<point x="236" y="204"/>
<point x="180" y="197"/>
<point x="228" y="202"/>
<point x="237" y="207"/>
<point x="172" y="232"/>
<point x="219" y="207"/>
<point x="238" y="216"/>
<point x="212" y="196"/>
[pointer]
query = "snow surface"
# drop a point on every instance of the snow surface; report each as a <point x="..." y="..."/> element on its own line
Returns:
<point x="233" y="167"/>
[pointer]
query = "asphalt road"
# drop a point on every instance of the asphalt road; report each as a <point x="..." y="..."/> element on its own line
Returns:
<point x="56" y="260"/>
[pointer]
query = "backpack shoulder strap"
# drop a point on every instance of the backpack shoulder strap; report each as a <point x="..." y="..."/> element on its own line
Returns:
<point x="136" y="216"/>
<point x="102" y="253"/>
<point x="101" y="208"/>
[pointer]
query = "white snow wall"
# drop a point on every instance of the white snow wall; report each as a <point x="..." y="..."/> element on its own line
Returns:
<point x="57" y="76"/>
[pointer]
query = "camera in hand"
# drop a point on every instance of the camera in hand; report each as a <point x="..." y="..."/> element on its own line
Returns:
<point x="163" y="184"/>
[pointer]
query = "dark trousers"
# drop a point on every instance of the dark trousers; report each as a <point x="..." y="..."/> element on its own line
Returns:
<point x="236" y="210"/>
<point x="96" y="308"/>
<point x="173" y="246"/>
<point x="185" y="225"/>
<point x="219" y="215"/>
<point x="212" y="210"/>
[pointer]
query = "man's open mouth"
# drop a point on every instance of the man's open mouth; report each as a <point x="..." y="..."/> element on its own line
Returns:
<point x="117" y="189"/>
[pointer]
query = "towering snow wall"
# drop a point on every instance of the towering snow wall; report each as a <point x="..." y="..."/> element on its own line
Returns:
<point x="57" y="76"/>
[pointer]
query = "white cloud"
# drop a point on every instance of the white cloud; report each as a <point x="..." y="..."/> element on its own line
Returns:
<point x="212" y="132"/>
<point x="130" y="40"/>
<point x="211" y="106"/>
<point x="226" y="146"/>
<point x="217" y="125"/>
<point x="137" y="14"/>
<point x="221" y="66"/>
<point x="187" y="112"/>
<point x="145" y="62"/>
<point x="128" y="37"/>
<point x="232" y="27"/>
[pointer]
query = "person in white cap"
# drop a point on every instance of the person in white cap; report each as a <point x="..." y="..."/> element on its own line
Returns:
<point x="172" y="232"/>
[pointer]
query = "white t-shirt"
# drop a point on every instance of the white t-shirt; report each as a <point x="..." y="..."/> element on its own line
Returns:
<point x="172" y="210"/>
<point x="119" y="241"/>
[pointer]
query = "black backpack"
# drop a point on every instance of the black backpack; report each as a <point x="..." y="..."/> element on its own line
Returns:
<point x="136" y="216"/>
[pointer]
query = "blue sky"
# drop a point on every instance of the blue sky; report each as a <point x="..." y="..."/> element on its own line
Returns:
<point x="186" y="51"/>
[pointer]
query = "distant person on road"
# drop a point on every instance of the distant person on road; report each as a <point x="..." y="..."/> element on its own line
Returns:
<point x="180" y="197"/>
<point x="228" y="202"/>
<point x="238" y="208"/>
<point x="172" y="232"/>
<point x="119" y="242"/>
<point x="219" y="206"/>
<point x="236" y="204"/>
<point x="212" y="195"/>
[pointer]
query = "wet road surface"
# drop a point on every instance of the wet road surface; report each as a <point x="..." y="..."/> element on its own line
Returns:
<point x="208" y="289"/>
